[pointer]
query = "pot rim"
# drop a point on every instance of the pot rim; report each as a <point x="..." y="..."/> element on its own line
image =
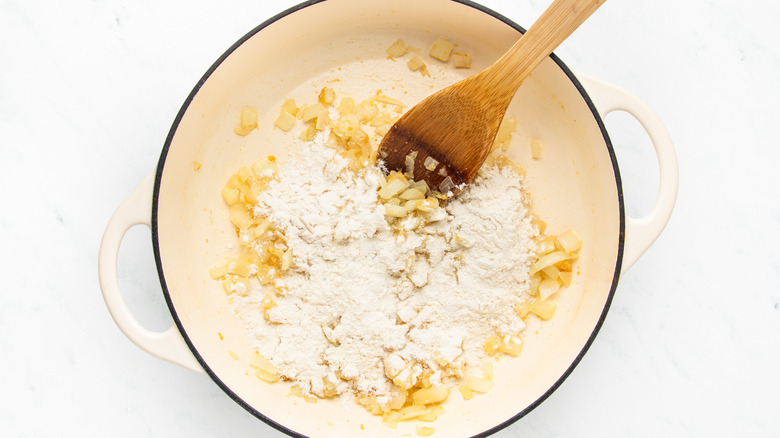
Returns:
<point x="155" y="229"/>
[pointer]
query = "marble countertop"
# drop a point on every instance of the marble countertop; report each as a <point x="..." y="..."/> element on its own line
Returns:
<point x="88" y="90"/>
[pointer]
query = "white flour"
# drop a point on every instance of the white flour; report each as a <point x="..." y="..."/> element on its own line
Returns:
<point x="363" y="299"/>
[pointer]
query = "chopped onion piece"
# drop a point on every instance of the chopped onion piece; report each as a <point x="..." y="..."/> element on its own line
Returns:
<point x="546" y="246"/>
<point x="289" y="107"/>
<point x="430" y="163"/>
<point x="409" y="161"/>
<point x="412" y="193"/>
<point x="427" y="396"/>
<point x="265" y="167"/>
<point x="230" y="194"/>
<point x="427" y="205"/>
<point x="421" y="186"/>
<point x="398" y="48"/>
<point x="313" y="111"/>
<point x="543" y="308"/>
<point x="540" y="224"/>
<point x="388" y="100"/>
<point x="395" y="210"/>
<point x="411" y="412"/>
<point x="416" y="63"/>
<point x="240" y="217"/>
<point x="479" y="384"/>
<point x="285" y="121"/>
<point x="447" y="185"/>
<point x="549" y="259"/>
<point x="492" y="345"/>
<point x="536" y="279"/>
<point x="522" y="309"/>
<point x="432" y="413"/>
<point x="264" y="369"/>
<point x="566" y="277"/>
<point x="393" y="187"/>
<point x="548" y="287"/>
<point x="441" y="49"/>
<point x="218" y="271"/>
<point x="461" y="60"/>
<point x="569" y="241"/>
<point x="424" y="431"/>
<point x="550" y="272"/>
<point x="487" y="369"/>
<point x="511" y="345"/>
<point x="287" y="260"/>
<point x="536" y="149"/>
<point x="327" y="96"/>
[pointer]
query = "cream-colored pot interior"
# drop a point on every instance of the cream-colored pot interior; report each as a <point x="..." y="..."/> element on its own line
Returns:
<point x="342" y="43"/>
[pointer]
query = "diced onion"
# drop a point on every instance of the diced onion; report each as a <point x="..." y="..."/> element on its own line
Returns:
<point x="287" y="260"/>
<point x="432" y="413"/>
<point x="548" y="287"/>
<point x="396" y="210"/>
<point x="264" y="167"/>
<point x="398" y="48"/>
<point x="441" y="50"/>
<point x="392" y="187"/>
<point x="427" y="205"/>
<point x="536" y="149"/>
<point x="411" y="194"/>
<point x="411" y="412"/>
<point x="388" y="100"/>
<point x="543" y="308"/>
<point x="434" y="394"/>
<point x="240" y="216"/>
<point x="430" y="163"/>
<point x="550" y="272"/>
<point x="312" y="111"/>
<point x="569" y="241"/>
<point x="264" y="370"/>
<point x="218" y="271"/>
<point x="424" y="431"/>
<point x="285" y="121"/>
<point x="549" y="260"/>
<point x="461" y="60"/>
<point x="487" y="369"/>
<point x="511" y="345"/>
<point x="566" y="277"/>
<point x="447" y="185"/>
<point x="409" y="162"/>
<point x="479" y="384"/>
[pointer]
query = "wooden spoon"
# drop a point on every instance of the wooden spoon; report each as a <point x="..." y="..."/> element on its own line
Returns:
<point x="456" y="126"/>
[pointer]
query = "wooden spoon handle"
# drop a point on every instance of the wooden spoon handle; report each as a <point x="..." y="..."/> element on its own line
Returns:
<point x="555" y="24"/>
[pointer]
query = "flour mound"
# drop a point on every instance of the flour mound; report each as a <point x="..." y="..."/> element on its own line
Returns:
<point x="368" y="299"/>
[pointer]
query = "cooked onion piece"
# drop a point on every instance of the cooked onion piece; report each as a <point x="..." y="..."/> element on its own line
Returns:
<point x="247" y="121"/>
<point x="397" y="49"/>
<point x="461" y="60"/>
<point x="441" y="50"/>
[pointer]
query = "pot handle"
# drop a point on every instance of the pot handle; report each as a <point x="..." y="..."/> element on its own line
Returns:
<point x="641" y="232"/>
<point x="168" y="345"/>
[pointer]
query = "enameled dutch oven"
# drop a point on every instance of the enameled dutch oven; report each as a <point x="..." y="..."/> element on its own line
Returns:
<point x="341" y="43"/>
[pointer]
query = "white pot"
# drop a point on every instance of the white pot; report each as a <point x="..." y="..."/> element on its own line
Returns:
<point x="575" y="185"/>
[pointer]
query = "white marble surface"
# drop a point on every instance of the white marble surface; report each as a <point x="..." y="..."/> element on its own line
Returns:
<point x="88" y="91"/>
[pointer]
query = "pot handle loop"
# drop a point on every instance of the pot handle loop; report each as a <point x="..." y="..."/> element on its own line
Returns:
<point x="641" y="232"/>
<point x="167" y="345"/>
